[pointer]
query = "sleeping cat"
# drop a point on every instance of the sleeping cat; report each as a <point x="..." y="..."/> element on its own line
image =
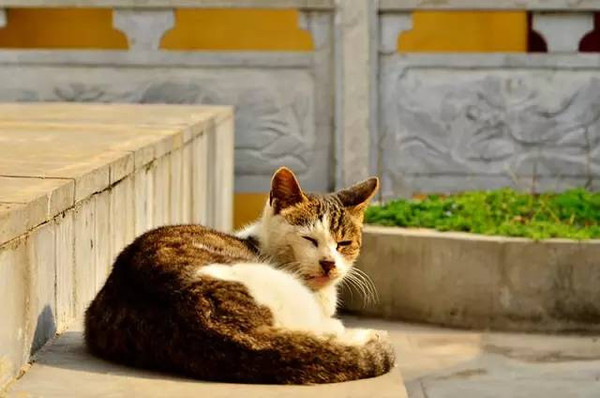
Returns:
<point x="255" y="308"/>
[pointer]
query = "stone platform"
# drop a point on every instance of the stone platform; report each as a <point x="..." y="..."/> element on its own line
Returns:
<point x="65" y="369"/>
<point x="77" y="183"/>
<point x="434" y="363"/>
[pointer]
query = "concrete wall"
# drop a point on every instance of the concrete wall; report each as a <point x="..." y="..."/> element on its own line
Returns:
<point x="58" y="256"/>
<point x="482" y="282"/>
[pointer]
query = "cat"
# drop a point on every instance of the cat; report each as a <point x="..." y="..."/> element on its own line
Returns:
<point x="256" y="307"/>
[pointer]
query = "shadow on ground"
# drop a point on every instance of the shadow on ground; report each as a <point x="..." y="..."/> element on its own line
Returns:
<point x="65" y="368"/>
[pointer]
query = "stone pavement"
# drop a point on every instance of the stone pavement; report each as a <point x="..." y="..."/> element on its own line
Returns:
<point x="433" y="362"/>
<point x="449" y="363"/>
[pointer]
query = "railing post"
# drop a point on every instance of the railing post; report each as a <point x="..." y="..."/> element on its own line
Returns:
<point x="144" y="28"/>
<point x="356" y="71"/>
<point x="563" y="30"/>
<point x="391" y="26"/>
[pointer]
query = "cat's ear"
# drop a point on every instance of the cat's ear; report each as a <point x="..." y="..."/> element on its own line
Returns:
<point x="357" y="197"/>
<point x="285" y="190"/>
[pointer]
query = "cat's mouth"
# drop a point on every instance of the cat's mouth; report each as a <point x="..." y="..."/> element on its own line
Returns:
<point x="320" y="281"/>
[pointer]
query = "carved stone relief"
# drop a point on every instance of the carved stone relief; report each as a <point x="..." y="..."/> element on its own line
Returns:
<point x="513" y="125"/>
<point x="275" y="115"/>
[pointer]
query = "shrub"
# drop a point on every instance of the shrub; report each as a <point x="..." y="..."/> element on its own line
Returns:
<point x="573" y="214"/>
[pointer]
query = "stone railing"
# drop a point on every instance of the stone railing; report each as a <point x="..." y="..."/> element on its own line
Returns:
<point x="77" y="184"/>
<point x="283" y="101"/>
<point x="450" y="122"/>
<point x="354" y="105"/>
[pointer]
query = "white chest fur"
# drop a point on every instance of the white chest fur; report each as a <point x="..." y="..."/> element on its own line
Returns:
<point x="292" y="304"/>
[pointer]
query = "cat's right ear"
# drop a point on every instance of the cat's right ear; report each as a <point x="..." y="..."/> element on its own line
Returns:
<point x="285" y="190"/>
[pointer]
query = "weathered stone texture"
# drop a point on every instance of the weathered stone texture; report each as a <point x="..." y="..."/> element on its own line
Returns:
<point x="59" y="235"/>
<point x="532" y="128"/>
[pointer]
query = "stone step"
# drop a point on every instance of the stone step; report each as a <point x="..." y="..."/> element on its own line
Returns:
<point x="77" y="183"/>
<point x="65" y="369"/>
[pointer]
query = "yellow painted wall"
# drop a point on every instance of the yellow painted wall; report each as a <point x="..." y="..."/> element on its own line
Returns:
<point x="248" y="207"/>
<point x="237" y="29"/>
<point x="61" y="28"/>
<point x="263" y="30"/>
<point x="459" y="31"/>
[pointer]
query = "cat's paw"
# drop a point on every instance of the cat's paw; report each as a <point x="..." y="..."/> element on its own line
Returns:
<point x="335" y="326"/>
<point x="363" y="336"/>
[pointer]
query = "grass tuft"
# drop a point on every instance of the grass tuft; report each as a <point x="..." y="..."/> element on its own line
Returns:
<point x="574" y="214"/>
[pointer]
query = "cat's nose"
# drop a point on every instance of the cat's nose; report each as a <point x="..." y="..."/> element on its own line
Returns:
<point x="327" y="266"/>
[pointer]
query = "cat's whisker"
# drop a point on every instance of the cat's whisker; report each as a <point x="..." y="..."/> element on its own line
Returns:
<point x="360" y="286"/>
<point x="356" y="286"/>
<point x="369" y="284"/>
<point x="346" y="284"/>
<point x="366" y="284"/>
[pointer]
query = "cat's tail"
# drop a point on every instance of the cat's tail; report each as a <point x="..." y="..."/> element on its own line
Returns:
<point x="287" y="357"/>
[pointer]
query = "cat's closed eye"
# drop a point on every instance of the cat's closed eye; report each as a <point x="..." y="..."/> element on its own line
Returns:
<point x="343" y="244"/>
<point x="311" y="240"/>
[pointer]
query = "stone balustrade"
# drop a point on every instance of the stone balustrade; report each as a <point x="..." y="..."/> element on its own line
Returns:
<point x="353" y="105"/>
<point x="77" y="184"/>
<point x="455" y="122"/>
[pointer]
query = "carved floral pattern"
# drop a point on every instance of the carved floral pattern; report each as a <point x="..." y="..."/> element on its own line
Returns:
<point x="273" y="126"/>
<point x="492" y="123"/>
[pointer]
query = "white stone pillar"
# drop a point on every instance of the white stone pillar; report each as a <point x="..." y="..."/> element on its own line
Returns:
<point x="144" y="28"/>
<point x="391" y="26"/>
<point x="356" y="68"/>
<point x="563" y="30"/>
<point x="320" y="26"/>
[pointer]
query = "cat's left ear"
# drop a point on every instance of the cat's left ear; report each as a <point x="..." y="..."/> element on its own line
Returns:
<point x="356" y="198"/>
<point x="285" y="190"/>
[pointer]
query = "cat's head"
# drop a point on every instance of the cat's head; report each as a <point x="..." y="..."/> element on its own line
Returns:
<point x="317" y="237"/>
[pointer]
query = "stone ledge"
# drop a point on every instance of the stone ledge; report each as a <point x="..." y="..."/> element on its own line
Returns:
<point x="55" y="148"/>
<point x="482" y="282"/>
<point x="77" y="184"/>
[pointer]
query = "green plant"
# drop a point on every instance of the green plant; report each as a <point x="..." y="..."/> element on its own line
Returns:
<point x="574" y="214"/>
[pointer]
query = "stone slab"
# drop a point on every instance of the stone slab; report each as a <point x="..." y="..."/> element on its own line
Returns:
<point x="41" y="251"/>
<point x="122" y="215"/>
<point x="103" y="249"/>
<point x="85" y="253"/>
<point x="65" y="269"/>
<point x="71" y="199"/>
<point x="58" y="192"/>
<point x="189" y="117"/>
<point x="18" y="218"/>
<point x="442" y="362"/>
<point x="57" y="154"/>
<point x="13" y="310"/>
<point x="66" y="360"/>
